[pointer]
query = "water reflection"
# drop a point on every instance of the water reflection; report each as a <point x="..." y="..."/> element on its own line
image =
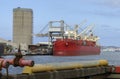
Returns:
<point x="112" y="57"/>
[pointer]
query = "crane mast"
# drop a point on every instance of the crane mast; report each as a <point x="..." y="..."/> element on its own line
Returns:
<point x="60" y="31"/>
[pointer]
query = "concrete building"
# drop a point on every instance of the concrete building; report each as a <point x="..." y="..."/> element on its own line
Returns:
<point x="22" y="26"/>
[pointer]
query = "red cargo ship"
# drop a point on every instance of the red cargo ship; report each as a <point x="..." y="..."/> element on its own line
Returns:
<point x="70" y="42"/>
<point x="70" y="47"/>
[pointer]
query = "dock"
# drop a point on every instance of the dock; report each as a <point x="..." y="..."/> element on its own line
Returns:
<point x="69" y="70"/>
<point x="82" y="73"/>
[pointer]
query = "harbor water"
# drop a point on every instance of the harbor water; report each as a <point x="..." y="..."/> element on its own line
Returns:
<point x="112" y="57"/>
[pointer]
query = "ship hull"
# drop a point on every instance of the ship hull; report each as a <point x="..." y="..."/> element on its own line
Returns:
<point x="83" y="50"/>
<point x="74" y="48"/>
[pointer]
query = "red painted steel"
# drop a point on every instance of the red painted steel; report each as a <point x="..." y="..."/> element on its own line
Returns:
<point x="22" y="62"/>
<point x="70" y="47"/>
<point x="4" y="63"/>
<point x="117" y="69"/>
<point x="26" y="62"/>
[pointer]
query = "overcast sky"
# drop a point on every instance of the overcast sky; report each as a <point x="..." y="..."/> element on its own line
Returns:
<point x="105" y="14"/>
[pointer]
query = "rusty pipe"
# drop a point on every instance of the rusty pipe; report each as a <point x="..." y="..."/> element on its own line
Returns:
<point x="23" y="62"/>
<point x="3" y="63"/>
<point x="20" y="62"/>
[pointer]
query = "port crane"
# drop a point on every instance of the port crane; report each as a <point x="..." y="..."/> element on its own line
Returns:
<point x="62" y="32"/>
<point x="87" y="34"/>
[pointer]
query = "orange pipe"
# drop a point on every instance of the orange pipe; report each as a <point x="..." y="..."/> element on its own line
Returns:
<point x="21" y="62"/>
<point x="4" y="63"/>
<point x="11" y="61"/>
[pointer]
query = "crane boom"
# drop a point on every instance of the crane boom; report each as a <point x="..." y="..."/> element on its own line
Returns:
<point x="78" y="26"/>
<point x="86" y="30"/>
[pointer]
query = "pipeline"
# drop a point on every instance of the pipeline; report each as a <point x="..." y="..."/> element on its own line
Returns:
<point x="20" y="62"/>
<point x="17" y="61"/>
<point x="3" y="63"/>
<point x="63" y="66"/>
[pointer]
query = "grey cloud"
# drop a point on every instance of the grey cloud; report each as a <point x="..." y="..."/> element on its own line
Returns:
<point x="109" y="14"/>
<point x="110" y="28"/>
<point x="117" y="29"/>
<point x="113" y="3"/>
<point x="104" y="25"/>
<point x="103" y="13"/>
<point x="108" y="3"/>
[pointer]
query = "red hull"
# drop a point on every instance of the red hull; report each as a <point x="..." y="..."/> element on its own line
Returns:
<point x="74" y="48"/>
